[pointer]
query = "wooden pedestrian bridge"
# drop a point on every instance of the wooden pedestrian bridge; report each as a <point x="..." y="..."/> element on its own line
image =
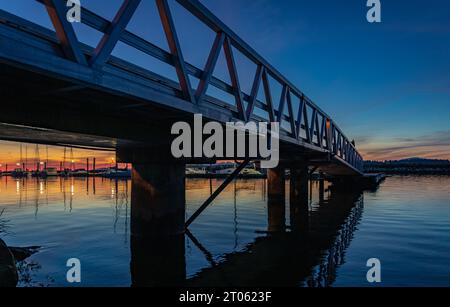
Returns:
<point x="57" y="90"/>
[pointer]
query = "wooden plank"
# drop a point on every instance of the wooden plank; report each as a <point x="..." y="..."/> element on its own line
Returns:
<point x="113" y="33"/>
<point x="57" y="11"/>
<point x="209" y="67"/>
<point x="175" y="48"/>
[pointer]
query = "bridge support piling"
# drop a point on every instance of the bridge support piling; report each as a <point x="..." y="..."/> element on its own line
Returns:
<point x="299" y="208"/>
<point x="276" y="183"/>
<point x="276" y="206"/>
<point x="321" y="188"/>
<point x="158" y="199"/>
<point x="157" y="216"/>
<point x="276" y="212"/>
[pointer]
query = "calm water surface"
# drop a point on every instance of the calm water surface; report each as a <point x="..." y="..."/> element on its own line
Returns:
<point x="405" y="224"/>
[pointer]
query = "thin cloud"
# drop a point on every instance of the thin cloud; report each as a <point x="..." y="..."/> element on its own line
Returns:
<point x="435" y="145"/>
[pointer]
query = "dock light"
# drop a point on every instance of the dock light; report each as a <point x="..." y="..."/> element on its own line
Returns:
<point x="18" y="164"/>
<point x="41" y="163"/>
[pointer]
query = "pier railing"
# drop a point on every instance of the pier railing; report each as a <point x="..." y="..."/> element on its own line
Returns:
<point x="305" y="125"/>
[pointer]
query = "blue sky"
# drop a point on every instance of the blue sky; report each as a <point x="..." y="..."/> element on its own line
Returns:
<point x="387" y="85"/>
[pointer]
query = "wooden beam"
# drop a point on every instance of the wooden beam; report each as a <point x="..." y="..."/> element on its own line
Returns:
<point x="333" y="138"/>
<point x="291" y="115"/>
<point x="175" y="48"/>
<point x="57" y="11"/>
<point x="318" y="130"/>
<point x="300" y="112"/>
<point x="312" y="171"/>
<point x="112" y="35"/>
<point x="322" y="132"/>
<point x="268" y="95"/>
<point x="281" y="104"/>
<point x="62" y="90"/>
<point x="209" y="67"/>
<point x="314" y="125"/>
<point x="216" y="193"/>
<point x="255" y="90"/>
<point x="197" y="243"/>
<point x="234" y="78"/>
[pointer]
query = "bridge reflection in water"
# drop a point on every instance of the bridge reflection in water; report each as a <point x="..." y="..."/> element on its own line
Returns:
<point x="253" y="241"/>
<point x="305" y="253"/>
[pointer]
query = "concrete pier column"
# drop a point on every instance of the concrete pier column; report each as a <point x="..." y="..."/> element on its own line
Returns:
<point x="157" y="216"/>
<point x="276" y="183"/>
<point x="276" y="212"/>
<point x="321" y="188"/>
<point x="299" y="209"/>
<point x="276" y="206"/>
<point x="158" y="198"/>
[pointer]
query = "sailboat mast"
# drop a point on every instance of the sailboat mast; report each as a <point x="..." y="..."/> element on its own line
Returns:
<point x="21" y="160"/>
<point x="37" y="158"/>
<point x="26" y="157"/>
<point x="46" y="160"/>
<point x="64" y="159"/>
<point x="71" y="158"/>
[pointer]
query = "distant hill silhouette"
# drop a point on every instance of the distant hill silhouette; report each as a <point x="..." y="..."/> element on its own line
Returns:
<point x="408" y="166"/>
<point x="414" y="160"/>
<point x="421" y="161"/>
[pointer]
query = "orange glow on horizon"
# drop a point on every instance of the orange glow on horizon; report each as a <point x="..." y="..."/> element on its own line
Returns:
<point x="397" y="151"/>
<point x="77" y="158"/>
<point x="10" y="155"/>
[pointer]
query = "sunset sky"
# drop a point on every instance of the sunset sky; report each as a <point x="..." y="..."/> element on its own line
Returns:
<point x="10" y="154"/>
<point x="387" y="85"/>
